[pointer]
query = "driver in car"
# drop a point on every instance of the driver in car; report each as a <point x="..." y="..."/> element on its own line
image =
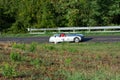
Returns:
<point x="62" y="35"/>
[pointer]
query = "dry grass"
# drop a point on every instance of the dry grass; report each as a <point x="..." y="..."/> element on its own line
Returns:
<point x="93" y="61"/>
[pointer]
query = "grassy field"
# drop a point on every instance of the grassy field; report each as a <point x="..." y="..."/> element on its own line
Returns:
<point x="64" y="61"/>
<point x="50" y="34"/>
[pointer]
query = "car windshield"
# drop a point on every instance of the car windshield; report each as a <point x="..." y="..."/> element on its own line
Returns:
<point x="56" y="34"/>
<point x="74" y="35"/>
<point x="71" y="34"/>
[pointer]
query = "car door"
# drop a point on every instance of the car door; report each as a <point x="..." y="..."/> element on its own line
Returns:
<point x="59" y="39"/>
<point x="62" y="38"/>
<point x="68" y="38"/>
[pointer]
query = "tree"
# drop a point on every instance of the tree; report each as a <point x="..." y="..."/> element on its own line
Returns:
<point x="48" y="19"/>
<point x="7" y="13"/>
<point x="18" y="15"/>
<point x="104" y="8"/>
<point x="114" y="12"/>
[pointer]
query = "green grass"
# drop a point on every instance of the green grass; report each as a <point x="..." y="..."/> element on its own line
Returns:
<point x="23" y="35"/>
<point x="50" y="34"/>
<point x="102" y="34"/>
<point x="65" y="61"/>
<point x="8" y="71"/>
<point x="14" y="56"/>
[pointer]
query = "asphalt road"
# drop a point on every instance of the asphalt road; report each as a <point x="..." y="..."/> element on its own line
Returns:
<point x="45" y="39"/>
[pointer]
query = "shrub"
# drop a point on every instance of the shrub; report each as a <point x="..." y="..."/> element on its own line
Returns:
<point x="50" y="47"/>
<point x="19" y="46"/>
<point x="15" y="56"/>
<point x="32" y="47"/>
<point x="36" y="62"/>
<point x="8" y="71"/>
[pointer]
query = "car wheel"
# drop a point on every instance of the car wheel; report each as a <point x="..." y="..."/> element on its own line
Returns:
<point x="76" y="40"/>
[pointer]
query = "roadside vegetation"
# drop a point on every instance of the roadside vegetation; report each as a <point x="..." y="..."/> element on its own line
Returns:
<point x="64" y="61"/>
<point x="18" y="15"/>
<point x="50" y="34"/>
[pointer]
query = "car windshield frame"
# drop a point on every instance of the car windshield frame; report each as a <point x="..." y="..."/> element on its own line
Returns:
<point x="56" y="35"/>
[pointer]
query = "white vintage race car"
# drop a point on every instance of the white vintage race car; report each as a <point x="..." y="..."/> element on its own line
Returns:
<point x="66" y="38"/>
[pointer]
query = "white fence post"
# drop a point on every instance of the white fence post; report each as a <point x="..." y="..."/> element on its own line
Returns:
<point x="58" y="30"/>
<point x="28" y="29"/>
<point x="73" y="30"/>
<point x="89" y="29"/>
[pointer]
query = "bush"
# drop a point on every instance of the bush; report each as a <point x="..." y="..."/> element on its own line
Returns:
<point x="15" y="56"/>
<point x="19" y="46"/>
<point x="32" y="47"/>
<point x="8" y="71"/>
<point x="36" y="62"/>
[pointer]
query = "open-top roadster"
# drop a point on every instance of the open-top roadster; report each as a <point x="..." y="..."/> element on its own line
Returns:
<point x="66" y="38"/>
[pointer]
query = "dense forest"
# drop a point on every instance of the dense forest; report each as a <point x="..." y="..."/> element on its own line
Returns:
<point x="17" y="15"/>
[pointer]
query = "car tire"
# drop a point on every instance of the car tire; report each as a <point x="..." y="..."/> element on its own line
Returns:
<point x="76" y="40"/>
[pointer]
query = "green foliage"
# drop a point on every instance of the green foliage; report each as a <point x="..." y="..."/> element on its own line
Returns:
<point x="32" y="47"/>
<point x="100" y="74"/>
<point x="15" y="56"/>
<point x="36" y="62"/>
<point x="72" y="50"/>
<point x="68" y="61"/>
<point x="92" y="61"/>
<point x="8" y="71"/>
<point x="17" y="15"/>
<point x="76" y="76"/>
<point x="19" y="46"/>
<point x="50" y="47"/>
